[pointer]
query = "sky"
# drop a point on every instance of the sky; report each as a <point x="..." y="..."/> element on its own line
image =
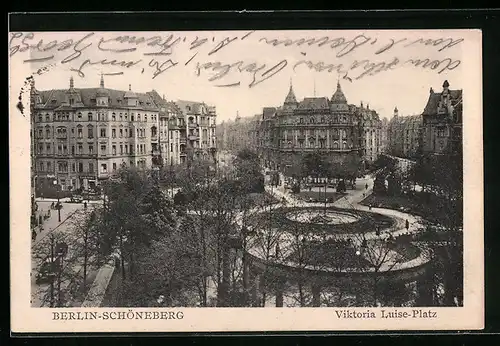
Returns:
<point x="400" y="84"/>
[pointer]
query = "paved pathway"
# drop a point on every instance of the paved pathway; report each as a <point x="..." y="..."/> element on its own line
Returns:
<point x="351" y="201"/>
<point x="70" y="213"/>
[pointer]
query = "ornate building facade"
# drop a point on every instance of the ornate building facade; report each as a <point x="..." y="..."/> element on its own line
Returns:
<point x="194" y="131"/>
<point x="82" y="136"/>
<point x="346" y="134"/>
<point x="404" y="134"/>
<point x="442" y="121"/>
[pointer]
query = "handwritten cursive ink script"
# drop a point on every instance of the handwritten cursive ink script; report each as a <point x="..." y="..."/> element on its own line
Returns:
<point x="353" y="58"/>
<point x="260" y="72"/>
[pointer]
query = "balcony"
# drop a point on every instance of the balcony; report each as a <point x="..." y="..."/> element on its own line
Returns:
<point x="105" y="174"/>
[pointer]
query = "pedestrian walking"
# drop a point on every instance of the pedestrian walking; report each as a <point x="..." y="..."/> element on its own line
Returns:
<point x="407" y="224"/>
<point x="369" y="207"/>
<point x="52" y="205"/>
<point x="366" y="186"/>
<point x="84" y="205"/>
<point x="48" y="213"/>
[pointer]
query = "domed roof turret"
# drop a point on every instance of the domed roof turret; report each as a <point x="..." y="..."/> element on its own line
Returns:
<point x="339" y="97"/>
<point x="102" y="92"/>
<point x="130" y="94"/>
<point x="290" y="98"/>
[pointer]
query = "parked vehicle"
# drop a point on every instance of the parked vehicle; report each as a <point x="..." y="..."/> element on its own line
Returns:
<point x="76" y="199"/>
<point x="48" y="269"/>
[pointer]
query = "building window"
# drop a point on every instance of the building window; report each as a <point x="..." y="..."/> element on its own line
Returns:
<point x="72" y="150"/>
<point x="113" y="149"/>
<point x="121" y="133"/>
<point x="113" y="117"/>
<point x="79" y="116"/>
<point x="59" y="149"/>
<point x="73" y="167"/>
<point x="121" y="149"/>
<point x="40" y="164"/>
<point x="47" y="117"/>
<point x="62" y="167"/>
<point x="49" y="166"/>
<point x="91" y="149"/>
<point x="40" y="134"/>
<point x="103" y="132"/>
<point x="91" y="167"/>
<point x="132" y="117"/>
<point x="80" y="132"/>
<point x="301" y="120"/>
<point x="113" y="133"/>
<point x="91" y="118"/>
<point x="80" y="167"/>
<point x="104" y="168"/>
<point x="154" y="131"/>
<point x="90" y="131"/>
<point x="138" y="117"/>
<point x="103" y="149"/>
<point x="114" y="166"/>
<point x="145" y="118"/>
<point x="48" y="148"/>
<point x="126" y="148"/>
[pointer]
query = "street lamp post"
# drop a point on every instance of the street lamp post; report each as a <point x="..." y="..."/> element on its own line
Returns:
<point x="58" y="202"/>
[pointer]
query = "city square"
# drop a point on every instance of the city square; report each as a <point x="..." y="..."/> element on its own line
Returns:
<point x="140" y="201"/>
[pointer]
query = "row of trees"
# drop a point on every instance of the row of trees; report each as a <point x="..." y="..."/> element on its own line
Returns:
<point x="440" y="202"/>
<point x="181" y="248"/>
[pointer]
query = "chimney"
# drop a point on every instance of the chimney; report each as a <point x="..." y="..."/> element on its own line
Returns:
<point x="102" y="81"/>
<point x="71" y="82"/>
<point x="396" y="112"/>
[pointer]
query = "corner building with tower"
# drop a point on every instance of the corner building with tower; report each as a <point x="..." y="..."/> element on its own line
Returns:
<point x="346" y="134"/>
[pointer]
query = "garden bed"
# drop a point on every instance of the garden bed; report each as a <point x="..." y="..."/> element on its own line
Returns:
<point x="367" y="221"/>
<point x="316" y="196"/>
<point x="337" y="254"/>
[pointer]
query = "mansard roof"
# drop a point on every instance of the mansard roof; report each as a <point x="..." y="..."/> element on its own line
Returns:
<point x="53" y="99"/>
<point x="431" y="108"/>
<point x="314" y="103"/>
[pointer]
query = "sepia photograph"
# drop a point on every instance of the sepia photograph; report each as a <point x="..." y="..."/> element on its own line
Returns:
<point x="163" y="171"/>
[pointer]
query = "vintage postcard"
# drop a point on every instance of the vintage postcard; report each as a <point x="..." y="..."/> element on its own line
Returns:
<point x="246" y="181"/>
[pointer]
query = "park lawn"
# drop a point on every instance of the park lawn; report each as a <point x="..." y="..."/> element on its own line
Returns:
<point x="319" y="196"/>
<point x="330" y="254"/>
<point x="397" y="203"/>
